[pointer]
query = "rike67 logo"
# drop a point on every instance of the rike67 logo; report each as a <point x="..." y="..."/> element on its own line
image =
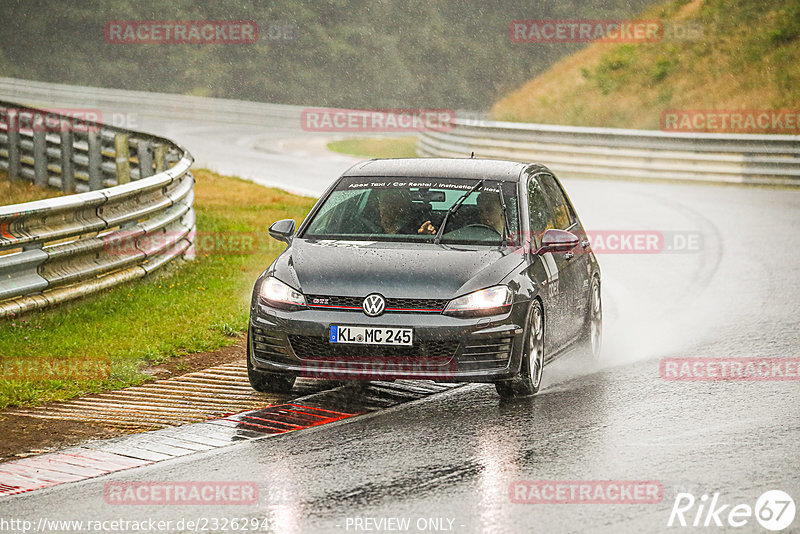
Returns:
<point x="774" y="510"/>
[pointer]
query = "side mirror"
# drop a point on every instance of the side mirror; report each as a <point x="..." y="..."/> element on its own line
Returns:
<point x="558" y="241"/>
<point x="282" y="230"/>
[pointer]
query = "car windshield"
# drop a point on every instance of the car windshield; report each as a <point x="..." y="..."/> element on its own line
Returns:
<point x="414" y="209"/>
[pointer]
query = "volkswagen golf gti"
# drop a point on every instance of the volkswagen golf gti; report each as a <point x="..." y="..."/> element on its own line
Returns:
<point x="463" y="270"/>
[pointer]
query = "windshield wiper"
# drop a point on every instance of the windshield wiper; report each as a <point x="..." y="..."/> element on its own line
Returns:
<point x="457" y="204"/>
<point x="505" y="214"/>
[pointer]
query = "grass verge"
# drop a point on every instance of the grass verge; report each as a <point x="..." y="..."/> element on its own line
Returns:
<point x="382" y="147"/>
<point x="198" y="306"/>
<point x="17" y="192"/>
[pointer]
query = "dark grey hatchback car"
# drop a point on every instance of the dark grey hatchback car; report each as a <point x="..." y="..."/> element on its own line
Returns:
<point x="442" y="269"/>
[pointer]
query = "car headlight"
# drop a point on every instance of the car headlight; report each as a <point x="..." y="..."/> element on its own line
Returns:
<point x="489" y="301"/>
<point x="280" y="295"/>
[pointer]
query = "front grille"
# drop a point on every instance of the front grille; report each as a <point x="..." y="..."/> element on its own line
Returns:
<point x="322" y="301"/>
<point x="314" y="347"/>
<point x="486" y="353"/>
<point x="267" y="345"/>
<point x="392" y="304"/>
<point x="433" y="305"/>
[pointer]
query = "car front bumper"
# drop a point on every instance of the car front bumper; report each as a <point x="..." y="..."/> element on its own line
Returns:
<point x="445" y="348"/>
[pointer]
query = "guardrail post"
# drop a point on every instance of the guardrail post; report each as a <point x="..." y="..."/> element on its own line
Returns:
<point x="13" y="144"/>
<point x="95" y="157"/>
<point x="67" y="169"/>
<point x="123" y="158"/>
<point x="39" y="152"/>
<point x="144" y="151"/>
<point x="160" y="154"/>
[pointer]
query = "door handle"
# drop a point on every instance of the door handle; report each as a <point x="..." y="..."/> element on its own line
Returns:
<point x="585" y="243"/>
<point x="568" y="256"/>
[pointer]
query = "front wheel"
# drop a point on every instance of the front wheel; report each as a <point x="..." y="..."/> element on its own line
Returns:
<point x="265" y="382"/>
<point x="529" y="379"/>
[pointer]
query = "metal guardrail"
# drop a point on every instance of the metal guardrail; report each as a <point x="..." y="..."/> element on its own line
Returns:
<point x="131" y="215"/>
<point x="156" y="105"/>
<point x="643" y="154"/>
<point x="568" y="150"/>
<point x="166" y="105"/>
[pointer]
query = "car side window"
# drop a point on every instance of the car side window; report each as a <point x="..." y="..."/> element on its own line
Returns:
<point x="564" y="216"/>
<point x="329" y="219"/>
<point x="541" y="217"/>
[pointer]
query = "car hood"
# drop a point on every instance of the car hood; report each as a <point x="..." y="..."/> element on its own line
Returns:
<point x="395" y="270"/>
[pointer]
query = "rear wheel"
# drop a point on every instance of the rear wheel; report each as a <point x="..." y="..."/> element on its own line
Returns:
<point x="265" y="382"/>
<point x="592" y="339"/>
<point x="530" y="377"/>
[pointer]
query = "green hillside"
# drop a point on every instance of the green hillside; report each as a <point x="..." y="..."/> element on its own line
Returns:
<point x="747" y="57"/>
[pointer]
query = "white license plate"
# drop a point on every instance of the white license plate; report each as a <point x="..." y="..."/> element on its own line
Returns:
<point x="371" y="335"/>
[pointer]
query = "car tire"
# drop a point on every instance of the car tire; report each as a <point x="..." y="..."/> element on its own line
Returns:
<point x="592" y="334"/>
<point x="265" y="382"/>
<point x="529" y="379"/>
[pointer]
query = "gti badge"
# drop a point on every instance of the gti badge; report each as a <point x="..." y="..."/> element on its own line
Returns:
<point x="374" y="305"/>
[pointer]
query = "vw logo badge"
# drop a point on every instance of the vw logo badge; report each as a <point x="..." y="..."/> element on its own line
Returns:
<point x="374" y="305"/>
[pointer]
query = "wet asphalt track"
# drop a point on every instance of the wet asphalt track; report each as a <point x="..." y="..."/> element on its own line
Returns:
<point x="453" y="455"/>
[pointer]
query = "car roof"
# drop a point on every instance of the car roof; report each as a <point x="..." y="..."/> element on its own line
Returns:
<point x="442" y="168"/>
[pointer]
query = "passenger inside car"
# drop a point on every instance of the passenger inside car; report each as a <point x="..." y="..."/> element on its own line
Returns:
<point x="490" y="211"/>
<point x="487" y="211"/>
